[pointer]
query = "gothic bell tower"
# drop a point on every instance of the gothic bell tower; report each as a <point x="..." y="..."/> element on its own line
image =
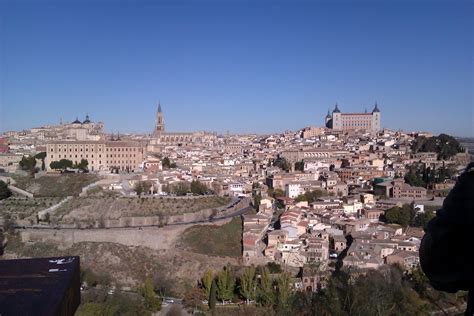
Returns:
<point x="160" y="124"/>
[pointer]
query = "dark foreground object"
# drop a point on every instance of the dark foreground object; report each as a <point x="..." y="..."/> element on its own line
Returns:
<point x="446" y="254"/>
<point x="40" y="286"/>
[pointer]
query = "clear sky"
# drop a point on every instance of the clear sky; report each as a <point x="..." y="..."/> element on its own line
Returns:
<point x="243" y="66"/>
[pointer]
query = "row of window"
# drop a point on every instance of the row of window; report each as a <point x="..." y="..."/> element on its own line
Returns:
<point x="118" y="155"/>
<point x="75" y="156"/>
<point x="122" y="149"/>
<point x="100" y="149"/>
<point x="100" y="156"/>
<point x="121" y="161"/>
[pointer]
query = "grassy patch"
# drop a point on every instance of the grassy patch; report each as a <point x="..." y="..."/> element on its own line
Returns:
<point x="225" y="240"/>
<point x="113" y="207"/>
<point x="57" y="185"/>
<point x="23" y="208"/>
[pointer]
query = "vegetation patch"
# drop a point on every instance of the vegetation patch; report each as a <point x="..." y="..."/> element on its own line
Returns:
<point x="20" y="208"/>
<point x="444" y="145"/>
<point x="113" y="207"/>
<point x="225" y="240"/>
<point x="56" y="186"/>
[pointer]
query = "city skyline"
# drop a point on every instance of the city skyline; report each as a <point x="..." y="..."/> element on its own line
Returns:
<point x="246" y="68"/>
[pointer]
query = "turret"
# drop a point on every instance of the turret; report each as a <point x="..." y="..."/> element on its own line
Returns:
<point x="376" y="108"/>
<point x="87" y="120"/>
<point x="376" y="118"/>
<point x="336" y="118"/>
<point x="327" y="119"/>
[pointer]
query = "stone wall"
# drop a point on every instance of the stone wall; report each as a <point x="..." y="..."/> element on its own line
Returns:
<point x="153" y="237"/>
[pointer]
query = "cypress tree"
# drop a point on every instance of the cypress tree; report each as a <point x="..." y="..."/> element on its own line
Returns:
<point x="212" y="297"/>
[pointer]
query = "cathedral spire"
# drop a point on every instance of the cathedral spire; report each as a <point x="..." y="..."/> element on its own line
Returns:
<point x="159" y="124"/>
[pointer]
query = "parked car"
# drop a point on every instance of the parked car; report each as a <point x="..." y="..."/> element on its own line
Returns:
<point x="332" y="254"/>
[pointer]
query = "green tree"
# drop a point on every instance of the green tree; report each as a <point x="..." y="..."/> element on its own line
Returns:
<point x="28" y="164"/>
<point x="420" y="281"/>
<point x="152" y="301"/>
<point x="198" y="188"/>
<point x="61" y="164"/>
<point x="281" y="163"/>
<point x="257" y="198"/>
<point x="142" y="187"/>
<point x="54" y="165"/>
<point x="270" y="192"/>
<point x="278" y="192"/>
<point x="311" y="196"/>
<point x="165" y="163"/>
<point x="444" y="145"/>
<point x="4" y="191"/>
<point x="181" y="188"/>
<point x="248" y="284"/>
<point x="225" y="284"/>
<point x="213" y="295"/>
<point x="47" y="218"/>
<point x="331" y="299"/>
<point x="299" y="166"/>
<point x="138" y="188"/>
<point x="41" y="156"/>
<point x="82" y="165"/>
<point x="266" y="296"/>
<point x="414" y="179"/>
<point x="402" y="216"/>
<point x="301" y="198"/>
<point x="274" y="267"/>
<point x="207" y="280"/>
<point x="391" y="215"/>
<point x="383" y="292"/>
<point x="283" y="292"/>
<point x="422" y="219"/>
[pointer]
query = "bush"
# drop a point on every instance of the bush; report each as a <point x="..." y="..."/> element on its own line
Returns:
<point x="4" y="191"/>
<point x="274" y="267"/>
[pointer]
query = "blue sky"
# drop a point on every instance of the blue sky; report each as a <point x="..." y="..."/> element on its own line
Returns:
<point x="242" y="66"/>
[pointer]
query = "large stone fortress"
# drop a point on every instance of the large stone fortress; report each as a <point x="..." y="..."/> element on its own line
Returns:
<point x="160" y="138"/>
<point x="354" y="121"/>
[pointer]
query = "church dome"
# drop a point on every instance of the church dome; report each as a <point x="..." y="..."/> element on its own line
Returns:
<point x="87" y="120"/>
